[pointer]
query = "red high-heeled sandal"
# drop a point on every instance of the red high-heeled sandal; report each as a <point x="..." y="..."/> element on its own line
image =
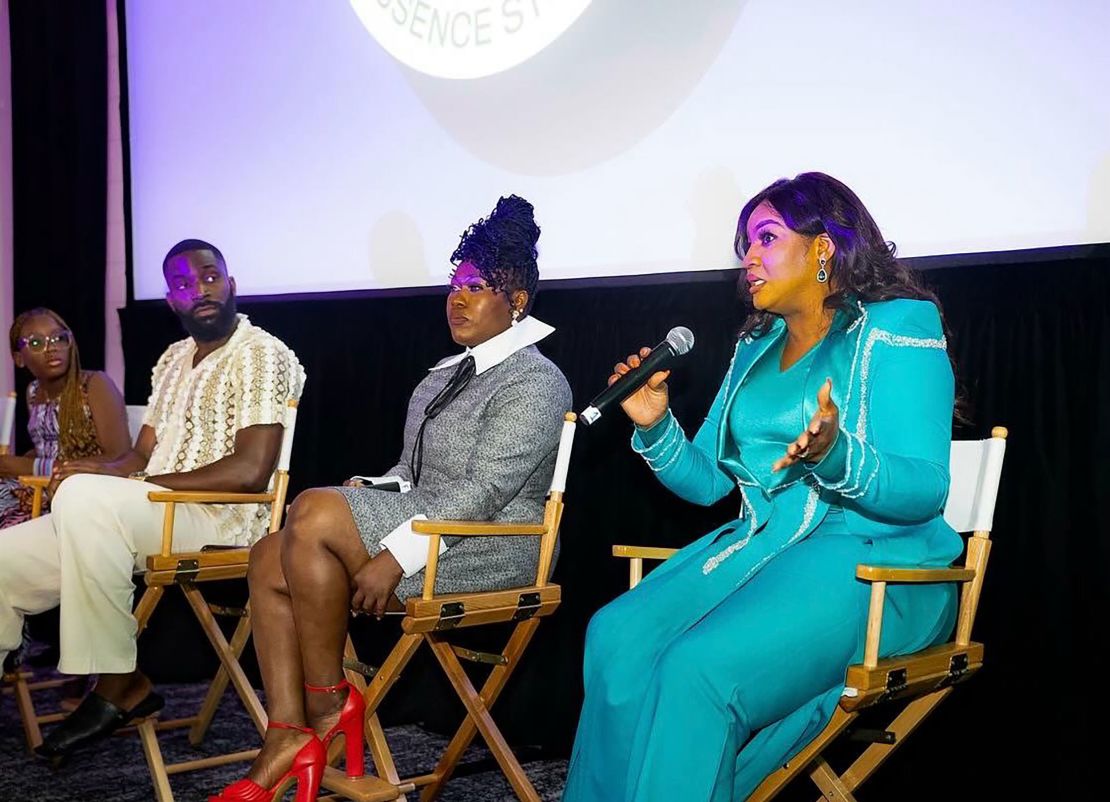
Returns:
<point x="350" y="725"/>
<point x="307" y="769"/>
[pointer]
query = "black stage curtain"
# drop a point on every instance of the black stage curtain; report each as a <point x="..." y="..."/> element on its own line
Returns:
<point x="59" y="165"/>
<point x="1033" y="351"/>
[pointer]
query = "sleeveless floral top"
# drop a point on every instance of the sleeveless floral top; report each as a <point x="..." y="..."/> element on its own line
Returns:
<point x="45" y="431"/>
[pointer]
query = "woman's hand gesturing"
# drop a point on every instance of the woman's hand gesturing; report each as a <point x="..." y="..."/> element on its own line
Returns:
<point x="814" y="443"/>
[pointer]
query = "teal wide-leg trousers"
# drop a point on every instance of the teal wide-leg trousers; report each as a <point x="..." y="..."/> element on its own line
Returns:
<point x="681" y="671"/>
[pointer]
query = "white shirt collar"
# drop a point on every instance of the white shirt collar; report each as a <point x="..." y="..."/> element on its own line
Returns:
<point x="495" y="350"/>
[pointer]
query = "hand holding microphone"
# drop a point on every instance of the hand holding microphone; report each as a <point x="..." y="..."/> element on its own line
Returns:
<point x="647" y="405"/>
<point x="639" y="384"/>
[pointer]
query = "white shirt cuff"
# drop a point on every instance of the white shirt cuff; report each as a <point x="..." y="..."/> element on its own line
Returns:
<point x="409" y="549"/>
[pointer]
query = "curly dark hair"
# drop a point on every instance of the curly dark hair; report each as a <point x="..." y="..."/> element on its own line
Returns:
<point x="863" y="268"/>
<point x="503" y="248"/>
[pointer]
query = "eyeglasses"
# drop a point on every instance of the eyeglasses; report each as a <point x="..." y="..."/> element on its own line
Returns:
<point x="37" y="343"/>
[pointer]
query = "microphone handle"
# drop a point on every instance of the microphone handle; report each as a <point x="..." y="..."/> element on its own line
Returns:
<point x="629" y="383"/>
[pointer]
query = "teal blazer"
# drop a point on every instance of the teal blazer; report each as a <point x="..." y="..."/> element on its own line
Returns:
<point x="888" y="468"/>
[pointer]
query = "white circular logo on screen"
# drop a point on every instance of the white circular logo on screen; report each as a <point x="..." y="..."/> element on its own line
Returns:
<point x="466" y="38"/>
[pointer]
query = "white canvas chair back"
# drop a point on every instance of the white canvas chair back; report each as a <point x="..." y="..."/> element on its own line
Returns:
<point x="7" y="423"/>
<point x="135" y="414"/>
<point x="976" y="469"/>
<point x="279" y="482"/>
<point x="287" y="437"/>
<point x="562" y="458"/>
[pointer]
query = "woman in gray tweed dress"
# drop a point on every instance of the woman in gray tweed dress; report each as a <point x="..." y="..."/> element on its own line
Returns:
<point x="480" y="439"/>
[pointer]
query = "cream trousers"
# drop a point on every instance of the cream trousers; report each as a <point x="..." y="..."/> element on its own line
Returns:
<point x="82" y="556"/>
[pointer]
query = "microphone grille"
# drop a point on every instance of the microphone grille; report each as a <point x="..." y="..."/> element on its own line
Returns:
<point x="681" y="339"/>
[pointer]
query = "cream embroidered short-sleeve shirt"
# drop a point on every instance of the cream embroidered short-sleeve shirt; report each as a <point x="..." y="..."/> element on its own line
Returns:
<point x="196" y="411"/>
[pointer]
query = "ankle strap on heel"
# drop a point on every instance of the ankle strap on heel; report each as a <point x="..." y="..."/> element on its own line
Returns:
<point x="343" y="685"/>
<point x="281" y="725"/>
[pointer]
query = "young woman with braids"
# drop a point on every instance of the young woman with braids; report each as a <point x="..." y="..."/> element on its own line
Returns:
<point x="834" y="421"/>
<point x="479" y="444"/>
<point x="73" y="413"/>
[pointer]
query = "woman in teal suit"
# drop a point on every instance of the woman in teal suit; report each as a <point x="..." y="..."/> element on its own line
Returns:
<point x="834" y="421"/>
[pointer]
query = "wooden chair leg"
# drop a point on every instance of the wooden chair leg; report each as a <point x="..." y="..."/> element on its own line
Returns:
<point x="145" y="608"/>
<point x="154" y="761"/>
<point x="219" y="683"/>
<point x="26" y="706"/>
<point x="382" y="756"/>
<point x="829" y="782"/>
<point x="390" y="671"/>
<point x="905" y="723"/>
<point x="480" y="715"/>
<point x="375" y="691"/>
<point x="229" y="660"/>
<point x="375" y="735"/>
<point x="491" y="689"/>
<point x="775" y="782"/>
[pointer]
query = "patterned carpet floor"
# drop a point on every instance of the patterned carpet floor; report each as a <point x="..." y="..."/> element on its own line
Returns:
<point x="115" y="771"/>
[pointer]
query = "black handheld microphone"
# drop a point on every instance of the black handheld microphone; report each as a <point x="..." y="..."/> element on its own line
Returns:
<point x="679" y="340"/>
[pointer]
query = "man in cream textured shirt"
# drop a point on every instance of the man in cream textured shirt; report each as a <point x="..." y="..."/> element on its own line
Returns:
<point x="214" y="422"/>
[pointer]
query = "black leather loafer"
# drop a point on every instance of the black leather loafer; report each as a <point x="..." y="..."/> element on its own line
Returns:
<point x="94" y="719"/>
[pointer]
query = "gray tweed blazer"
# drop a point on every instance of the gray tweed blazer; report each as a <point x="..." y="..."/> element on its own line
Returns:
<point x="488" y="456"/>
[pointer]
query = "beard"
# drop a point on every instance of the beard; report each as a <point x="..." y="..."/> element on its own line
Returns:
<point x="206" y="330"/>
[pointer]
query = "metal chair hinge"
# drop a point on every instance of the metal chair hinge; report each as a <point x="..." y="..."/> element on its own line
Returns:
<point x="895" y="684"/>
<point x="873" y="736"/>
<point x="229" y="612"/>
<point x="186" y="570"/>
<point x="957" y="669"/>
<point x="526" y="606"/>
<point x="359" y="667"/>
<point x="481" y="657"/>
<point x="450" y="614"/>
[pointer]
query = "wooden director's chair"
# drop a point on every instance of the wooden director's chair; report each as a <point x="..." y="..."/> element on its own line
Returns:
<point x="19" y="682"/>
<point x="922" y="679"/>
<point x="429" y="619"/>
<point x="187" y="570"/>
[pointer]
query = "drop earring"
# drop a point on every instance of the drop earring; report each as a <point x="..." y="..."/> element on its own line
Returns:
<point x="516" y="314"/>
<point x="822" y="273"/>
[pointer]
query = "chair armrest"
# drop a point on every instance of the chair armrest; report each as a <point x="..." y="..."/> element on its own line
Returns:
<point x="437" y="529"/>
<point x="208" y="497"/>
<point x="38" y="485"/>
<point x="476" y="528"/>
<point x="879" y="573"/>
<point x="171" y="498"/>
<point x="643" y="552"/>
<point x="636" y="556"/>
<point x="879" y="576"/>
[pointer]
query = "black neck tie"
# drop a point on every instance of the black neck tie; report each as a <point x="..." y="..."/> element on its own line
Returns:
<point x="455" y="385"/>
